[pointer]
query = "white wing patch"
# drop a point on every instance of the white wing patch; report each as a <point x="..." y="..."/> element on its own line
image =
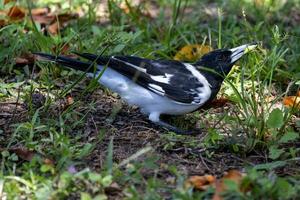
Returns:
<point x="203" y="93"/>
<point x="131" y="65"/>
<point x="162" y="78"/>
<point x="197" y="74"/>
<point x="157" y="88"/>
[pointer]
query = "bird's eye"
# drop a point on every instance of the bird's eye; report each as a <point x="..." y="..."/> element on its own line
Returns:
<point x="222" y="58"/>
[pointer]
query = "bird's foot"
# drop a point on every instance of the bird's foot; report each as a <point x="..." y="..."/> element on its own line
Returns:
<point x="176" y="130"/>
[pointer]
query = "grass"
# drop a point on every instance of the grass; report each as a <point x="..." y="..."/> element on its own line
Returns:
<point x="79" y="142"/>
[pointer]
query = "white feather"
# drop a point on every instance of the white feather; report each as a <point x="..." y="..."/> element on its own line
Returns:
<point x="148" y="101"/>
<point x="162" y="78"/>
<point x="205" y="91"/>
<point x="157" y="88"/>
<point x="129" y="64"/>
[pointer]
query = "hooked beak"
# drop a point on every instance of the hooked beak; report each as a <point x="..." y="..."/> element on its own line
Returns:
<point x="238" y="52"/>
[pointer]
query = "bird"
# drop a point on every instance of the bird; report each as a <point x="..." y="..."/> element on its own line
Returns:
<point x="158" y="86"/>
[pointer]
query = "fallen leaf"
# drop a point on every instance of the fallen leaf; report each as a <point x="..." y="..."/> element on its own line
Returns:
<point x="61" y="49"/>
<point x="23" y="153"/>
<point x="40" y="11"/>
<point x="2" y="22"/>
<point x="16" y="13"/>
<point x="232" y="175"/>
<point x="200" y="182"/>
<point x="43" y="19"/>
<point x="216" y="103"/>
<point x="42" y="16"/>
<point x="292" y="101"/>
<point x="113" y="189"/>
<point x="48" y="161"/>
<point x="25" y="59"/>
<point x="53" y="28"/>
<point x="204" y="182"/>
<point x="70" y="100"/>
<point x="135" y="9"/>
<point x="28" y="155"/>
<point x="192" y="52"/>
<point x="3" y="12"/>
<point x="65" y="17"/>
<point x="60" y="21"/>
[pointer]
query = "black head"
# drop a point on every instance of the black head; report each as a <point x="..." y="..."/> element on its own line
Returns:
<point x="217" y="64"/>
<point x="222" y="60"/>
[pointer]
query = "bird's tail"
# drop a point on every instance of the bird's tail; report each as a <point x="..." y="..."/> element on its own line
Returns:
<point x="68" y="62"/>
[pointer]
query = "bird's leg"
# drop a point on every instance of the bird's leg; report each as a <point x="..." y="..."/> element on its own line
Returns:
<point x="174" y="129"/>
<point x="154" y="117"/>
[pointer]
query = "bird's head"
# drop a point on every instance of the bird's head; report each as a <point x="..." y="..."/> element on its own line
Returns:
<point x="222" y="60"/>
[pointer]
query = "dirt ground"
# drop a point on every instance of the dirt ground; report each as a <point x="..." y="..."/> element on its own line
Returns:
<point x="131" y="132"/>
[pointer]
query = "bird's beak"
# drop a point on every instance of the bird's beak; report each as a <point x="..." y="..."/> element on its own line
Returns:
<point x="238" y="52"/>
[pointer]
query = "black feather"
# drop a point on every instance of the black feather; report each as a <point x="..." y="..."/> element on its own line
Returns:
<point x="183" y="85"/>
<point x="68" y="62"/>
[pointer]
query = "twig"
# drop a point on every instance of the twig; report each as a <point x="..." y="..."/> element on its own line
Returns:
<point x="204" y="163"/>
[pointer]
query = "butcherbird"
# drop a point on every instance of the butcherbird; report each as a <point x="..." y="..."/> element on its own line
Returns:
<point x="159" y="86"/>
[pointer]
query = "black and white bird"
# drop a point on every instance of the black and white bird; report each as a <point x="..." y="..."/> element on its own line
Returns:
<point x="159" y="86"/>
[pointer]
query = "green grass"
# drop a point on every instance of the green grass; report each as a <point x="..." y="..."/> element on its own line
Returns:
<point x="93" y="158"/>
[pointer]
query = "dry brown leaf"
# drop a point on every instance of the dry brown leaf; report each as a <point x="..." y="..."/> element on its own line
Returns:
<point x="65" y="48"/>
<point x="2" y="22"/>
<point x="203" y="182"/>
<point x="43" y="19"/>
<point x="42" y="15"/>
<point x="53" y="28"/>
<point x="23" y="153"/>
<point x="70" y="100"/>
<point x="20" y="60"/>
<point x="61" y="49"/>
<point x="25" y="59"/>
<point x="113" y="189"/>
<point x="216" y="103"/>
<point x="60" y="21"/>
<point x="48" y="161"/>
<point x="40" y="11"/>
<point x="232" y="175"/>
<point x="65" y="17"/>
<point x="133" y="7"/>
<point x="2" y="12"/>
<point x="124" y="7"/>
<point x="28" y="155"/>
<point x="200" y="182"/>
<point x="292" y="101"/>
<point x="16" y="13"/>
<point x="192" y="52"/>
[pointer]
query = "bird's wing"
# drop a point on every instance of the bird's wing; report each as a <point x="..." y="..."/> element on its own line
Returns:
<point x="173" y="79"/>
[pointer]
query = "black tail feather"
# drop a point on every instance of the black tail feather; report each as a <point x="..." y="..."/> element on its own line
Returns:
<point x="68" y="62"/>
<point x="101" y="60"/>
